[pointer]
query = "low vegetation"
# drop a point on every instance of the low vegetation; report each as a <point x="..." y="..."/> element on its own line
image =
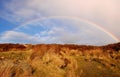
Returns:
<point x="55" y="60"/>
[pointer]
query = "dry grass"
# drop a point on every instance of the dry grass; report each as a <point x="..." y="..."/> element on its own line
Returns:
<point x="60" y="61"/>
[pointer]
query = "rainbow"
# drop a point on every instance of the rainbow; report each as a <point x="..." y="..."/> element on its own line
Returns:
<point x="75" y="18"/>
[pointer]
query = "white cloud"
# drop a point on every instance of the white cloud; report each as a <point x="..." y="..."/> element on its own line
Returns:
<point x="65" y="32"/>
<point x="18" y="37"/>
<point x="57" y="34"/>
<point x="89" y="9"/>
<point x="106" y="13"/>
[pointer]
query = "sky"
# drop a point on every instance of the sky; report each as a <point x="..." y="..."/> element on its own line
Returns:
<point x="94" y="22"/>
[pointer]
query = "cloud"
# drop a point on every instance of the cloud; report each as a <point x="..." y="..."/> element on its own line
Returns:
<point x="106" y="13"/>
<point x="80" y="33"/>
<point x="18" y="37"/>
<point x="90" y="9"/>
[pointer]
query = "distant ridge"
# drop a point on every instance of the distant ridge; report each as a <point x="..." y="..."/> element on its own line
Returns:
<point x="11" y="46"/>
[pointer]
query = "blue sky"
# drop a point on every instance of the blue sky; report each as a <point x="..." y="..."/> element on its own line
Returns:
<point x="17" y="18"/>
<point x="6" y="25"/>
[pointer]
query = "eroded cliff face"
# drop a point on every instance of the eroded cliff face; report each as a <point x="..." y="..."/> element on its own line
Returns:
<point x="56" y="60"/>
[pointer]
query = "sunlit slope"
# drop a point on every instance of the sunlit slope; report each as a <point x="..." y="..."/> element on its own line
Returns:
<point x="54" y="60"/>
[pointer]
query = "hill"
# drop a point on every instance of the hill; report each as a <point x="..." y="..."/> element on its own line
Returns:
<point x="57" y="60"/>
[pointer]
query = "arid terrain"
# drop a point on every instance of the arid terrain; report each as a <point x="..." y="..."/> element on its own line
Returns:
<point x="56" y="60"/>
